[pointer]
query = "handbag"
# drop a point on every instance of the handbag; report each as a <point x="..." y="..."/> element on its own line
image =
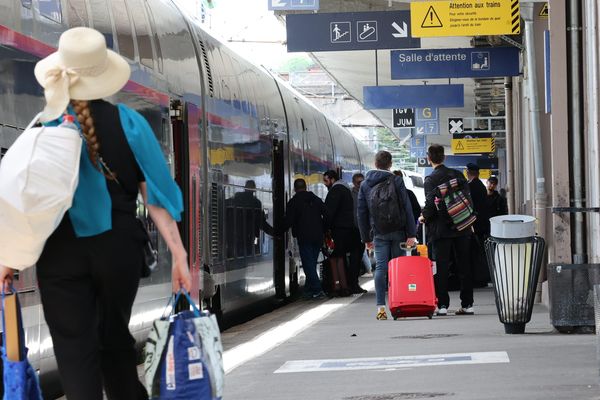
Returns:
<point x="38" y="177"/>
<point x="184" y="355"/>
<point x="19" y="378"/>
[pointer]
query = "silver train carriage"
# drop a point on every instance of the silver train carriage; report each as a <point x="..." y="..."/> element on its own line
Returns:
<point x="234" y="135"/>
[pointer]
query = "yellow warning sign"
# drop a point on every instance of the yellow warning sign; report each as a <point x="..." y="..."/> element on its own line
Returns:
<point x="465" y="18"/>
<point x="473" y="146"/>
<point x="431" y="19"/>
<point x="544" y="11"/>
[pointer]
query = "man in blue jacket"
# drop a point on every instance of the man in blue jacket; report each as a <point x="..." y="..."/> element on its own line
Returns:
<point x="386" y="235"/>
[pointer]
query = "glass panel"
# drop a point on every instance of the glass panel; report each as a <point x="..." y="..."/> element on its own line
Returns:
<point x="51" y="10"/>
<point x="78" y="15"/>
<point x="101" y="21"/>
<point x="123" y="26"/>
<point x="142" y="33"/>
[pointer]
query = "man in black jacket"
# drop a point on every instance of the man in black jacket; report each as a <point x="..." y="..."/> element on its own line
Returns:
<point x="444" y="237"/>
<point x="340" y="221"/>
<point x="495" y="202"/>
<point x="305" y="214"/>
<point x="481" y="274"/>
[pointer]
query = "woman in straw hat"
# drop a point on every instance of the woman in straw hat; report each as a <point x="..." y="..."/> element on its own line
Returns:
<point x="91" y="265"/>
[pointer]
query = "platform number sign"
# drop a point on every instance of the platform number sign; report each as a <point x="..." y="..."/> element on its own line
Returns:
<point x="404" y="117"/>
<point x="455" y="125"/>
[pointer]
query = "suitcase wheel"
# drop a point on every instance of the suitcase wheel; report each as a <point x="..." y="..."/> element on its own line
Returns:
<point x="395" y="318"/>
<point x="430" y="316"/>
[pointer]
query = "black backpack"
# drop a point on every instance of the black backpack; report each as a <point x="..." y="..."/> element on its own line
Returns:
<point x="387" y="208"/>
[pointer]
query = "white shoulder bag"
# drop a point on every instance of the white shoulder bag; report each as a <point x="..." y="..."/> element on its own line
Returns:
<point x="38" y="178"/>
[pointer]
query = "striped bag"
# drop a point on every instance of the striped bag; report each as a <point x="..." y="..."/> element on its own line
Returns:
<point x="457" y="205"/>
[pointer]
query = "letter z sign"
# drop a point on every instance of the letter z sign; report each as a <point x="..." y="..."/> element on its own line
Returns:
<point x="404" y="117"/>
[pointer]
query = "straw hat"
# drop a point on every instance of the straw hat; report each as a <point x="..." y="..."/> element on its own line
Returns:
<point x="82" y="69"/>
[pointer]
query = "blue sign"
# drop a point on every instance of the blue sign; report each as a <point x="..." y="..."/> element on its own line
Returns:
<point x="292" y="5"/>
<point x="408" y="96"/>
<point x="455" y="63"/>
<point x="417" y="153"/>
<point x="458" y="162"/>
<point x="427" y="114"/>
<point x="427" y="127"/>
<point x="418" y="142"/>
<point x="349" y="31"/>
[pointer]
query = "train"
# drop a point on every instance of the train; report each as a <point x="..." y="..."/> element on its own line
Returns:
<point x="235" y="137"/>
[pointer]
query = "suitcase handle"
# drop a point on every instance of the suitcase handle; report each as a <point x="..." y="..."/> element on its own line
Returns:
<point x="407" y="249"/>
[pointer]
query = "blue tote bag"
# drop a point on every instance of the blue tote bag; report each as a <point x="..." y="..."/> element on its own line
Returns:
<point x="184" y="361"/>
<point x="19" y="378"/>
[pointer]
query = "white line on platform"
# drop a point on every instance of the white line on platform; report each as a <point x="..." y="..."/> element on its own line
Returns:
<point x="261" y="344"/>
<point x="352" y="364"/>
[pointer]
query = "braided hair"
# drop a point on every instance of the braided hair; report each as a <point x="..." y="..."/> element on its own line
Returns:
<point x="84" y="116"/>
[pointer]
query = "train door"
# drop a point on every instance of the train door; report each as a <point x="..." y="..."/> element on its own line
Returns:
<point x="279" y="259"/>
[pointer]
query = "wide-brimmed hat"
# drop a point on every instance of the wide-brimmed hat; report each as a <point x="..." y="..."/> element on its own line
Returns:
<point x="82" y="69"/>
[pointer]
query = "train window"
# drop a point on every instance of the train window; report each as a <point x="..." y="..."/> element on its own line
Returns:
<point x="159" y="59"/>
<point x="123" y="26"/>
<point x="142" y="33"/>
<point x="101" y="21"/>
<point x="78" y="15"/>
<point x="51" y="10"/>
<point x="2" y="152"/>
<point x="26" y="3"/>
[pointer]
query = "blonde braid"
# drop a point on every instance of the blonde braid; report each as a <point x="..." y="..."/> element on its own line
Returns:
<point x="84" y="116"/>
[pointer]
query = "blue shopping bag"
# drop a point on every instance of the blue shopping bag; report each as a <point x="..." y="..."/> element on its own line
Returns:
<point x="190" y="352"/>
<point x="19" y="378"/>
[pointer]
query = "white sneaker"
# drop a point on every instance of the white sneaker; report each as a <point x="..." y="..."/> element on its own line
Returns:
<point x="441" y="312"/>
<point x="465" y="311"/>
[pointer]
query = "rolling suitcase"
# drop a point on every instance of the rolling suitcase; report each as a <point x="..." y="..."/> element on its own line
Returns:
<point x="334" y="277"/>
<point x="411" y="291"/>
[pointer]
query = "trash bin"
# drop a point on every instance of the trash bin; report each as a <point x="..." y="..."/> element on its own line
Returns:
<point x="515" y="257"/>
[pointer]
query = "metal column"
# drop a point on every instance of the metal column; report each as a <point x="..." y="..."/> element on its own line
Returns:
<point x="592" y="125"/>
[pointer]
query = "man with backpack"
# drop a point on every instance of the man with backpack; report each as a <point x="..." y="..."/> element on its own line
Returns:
<point x="385" y="218"/>
<point x="449" y="216"/>
<point x="305" y="214"/>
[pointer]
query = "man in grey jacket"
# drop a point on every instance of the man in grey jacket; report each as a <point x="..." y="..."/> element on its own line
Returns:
<point x="387" y="244"/>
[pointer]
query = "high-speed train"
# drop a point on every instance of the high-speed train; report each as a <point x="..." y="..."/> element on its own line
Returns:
<point x="235" y="137"/>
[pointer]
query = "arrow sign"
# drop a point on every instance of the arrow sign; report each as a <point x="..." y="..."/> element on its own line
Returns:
<point x="400" y="31"/>
<point x="349" y="31"/>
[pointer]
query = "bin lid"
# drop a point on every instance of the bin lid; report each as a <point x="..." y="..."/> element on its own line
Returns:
<point x="512" y="226"/>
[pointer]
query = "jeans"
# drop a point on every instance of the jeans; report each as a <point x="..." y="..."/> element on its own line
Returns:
<point x="442" y="252"/>
<point x="309" y="253"/>
<point x="387" y="247"/>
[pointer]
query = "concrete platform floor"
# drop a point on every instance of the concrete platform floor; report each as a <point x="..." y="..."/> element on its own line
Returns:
<point x="540" y="364"/>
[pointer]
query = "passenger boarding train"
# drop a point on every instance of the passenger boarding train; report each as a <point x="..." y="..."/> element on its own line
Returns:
<point x="234" y="135"/>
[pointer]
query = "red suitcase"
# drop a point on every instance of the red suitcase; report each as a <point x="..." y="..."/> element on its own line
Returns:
<point x="411" y="290"/>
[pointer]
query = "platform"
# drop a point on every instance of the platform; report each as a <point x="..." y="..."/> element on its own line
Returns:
<point x="352" y="356"/>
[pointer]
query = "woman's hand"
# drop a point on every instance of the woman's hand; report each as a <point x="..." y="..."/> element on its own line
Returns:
<point x="6" y="277"/>
<point x="180" y="273"/>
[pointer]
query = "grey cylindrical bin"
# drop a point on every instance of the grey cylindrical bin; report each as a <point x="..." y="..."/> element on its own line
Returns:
<point x="515" y="257"/>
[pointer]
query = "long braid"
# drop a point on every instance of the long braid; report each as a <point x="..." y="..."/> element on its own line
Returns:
<point x="84" y="116"/>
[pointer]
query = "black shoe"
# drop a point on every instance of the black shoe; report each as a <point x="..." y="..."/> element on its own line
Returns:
<point x="358" y="290"/>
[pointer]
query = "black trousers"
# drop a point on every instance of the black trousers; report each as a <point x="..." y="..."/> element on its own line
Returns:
<point x="87" y="287"/>
<point x="481" y="271"/>
<point x="347" y="241"/>
<point x="442" y="252"/>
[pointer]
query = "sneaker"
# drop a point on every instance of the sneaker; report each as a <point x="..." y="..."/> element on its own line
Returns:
<point x="319" y="296"/>
<point x="381" y="314"/>
<point x="465" y="311"/>
<point x="441" y="312"/>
